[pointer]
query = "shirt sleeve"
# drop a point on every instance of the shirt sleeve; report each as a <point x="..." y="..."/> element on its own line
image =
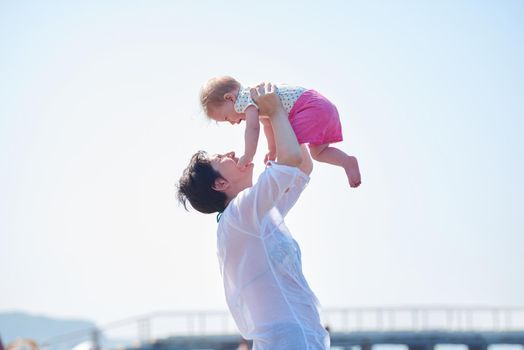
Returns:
<point x="278" y="186"/>
<point x="290" y="197"/>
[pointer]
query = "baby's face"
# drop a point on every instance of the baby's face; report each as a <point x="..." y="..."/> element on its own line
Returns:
<point x="226" y="113"/>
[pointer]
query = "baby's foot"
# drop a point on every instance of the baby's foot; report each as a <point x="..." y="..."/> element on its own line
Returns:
<point x="352" y="171"/>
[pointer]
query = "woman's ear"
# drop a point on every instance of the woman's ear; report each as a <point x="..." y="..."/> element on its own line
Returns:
<point x="220" y="185"/>
<point x="228" y="96"/>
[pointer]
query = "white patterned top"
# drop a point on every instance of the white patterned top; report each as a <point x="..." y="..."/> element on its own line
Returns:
<point x="288" y="96"/>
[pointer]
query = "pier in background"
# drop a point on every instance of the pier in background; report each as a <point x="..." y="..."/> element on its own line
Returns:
<point x="418" y="328"/>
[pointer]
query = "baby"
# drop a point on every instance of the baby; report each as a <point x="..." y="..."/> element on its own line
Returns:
<point x="313" y="117"/>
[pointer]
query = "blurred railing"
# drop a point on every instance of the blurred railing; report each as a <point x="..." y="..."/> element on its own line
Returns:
<point x="423" y="318"/>
<point x="164" y="324"/>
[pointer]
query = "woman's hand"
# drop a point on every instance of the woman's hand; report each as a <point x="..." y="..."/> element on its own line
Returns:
<point x="267" y="100"/>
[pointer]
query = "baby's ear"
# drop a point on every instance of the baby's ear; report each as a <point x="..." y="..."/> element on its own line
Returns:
<point x="228" y="96"/>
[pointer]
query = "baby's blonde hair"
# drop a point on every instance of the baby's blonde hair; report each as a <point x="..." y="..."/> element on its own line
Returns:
<point x="212" y="93"/>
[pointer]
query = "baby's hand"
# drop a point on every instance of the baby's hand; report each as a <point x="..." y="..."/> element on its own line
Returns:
<point x="271" y="155"/>
<point x="243" y="162"/>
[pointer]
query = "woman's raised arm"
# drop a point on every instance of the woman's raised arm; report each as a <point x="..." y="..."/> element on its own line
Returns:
<point x="288" y="149"/>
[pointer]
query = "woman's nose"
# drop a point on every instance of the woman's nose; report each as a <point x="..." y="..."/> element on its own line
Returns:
<point x="231" y="154"/>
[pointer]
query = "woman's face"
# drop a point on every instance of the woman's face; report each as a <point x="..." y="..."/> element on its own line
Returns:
<point x="226" y="165"/>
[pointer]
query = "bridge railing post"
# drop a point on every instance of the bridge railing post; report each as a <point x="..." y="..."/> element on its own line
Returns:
<point x="144" y="329"/>
<point x="359" y="320"/>
<point x="345" y="319"/>
<point x="380" y="319"/>
<point x="508" y="319"/>
<point x="496" y="319"/>
<point x="414" y="319"/>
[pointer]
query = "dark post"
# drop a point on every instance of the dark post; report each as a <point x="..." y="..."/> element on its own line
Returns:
<point x="477" y="347"/>
<point x="420" y="346"/>
<point x="365" y="346"/>
<point x="95" y="338"/>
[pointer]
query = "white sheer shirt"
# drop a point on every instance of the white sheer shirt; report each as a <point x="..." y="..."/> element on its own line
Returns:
<point x="260" y="263"/>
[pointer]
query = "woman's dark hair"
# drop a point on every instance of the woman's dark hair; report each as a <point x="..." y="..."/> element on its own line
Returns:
<point x="196" y="186"/>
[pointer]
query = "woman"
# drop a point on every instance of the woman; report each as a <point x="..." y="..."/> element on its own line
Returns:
<point x="265" y="288"/>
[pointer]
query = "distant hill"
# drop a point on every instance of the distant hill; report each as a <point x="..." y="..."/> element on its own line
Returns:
<point x="15" y="325"/>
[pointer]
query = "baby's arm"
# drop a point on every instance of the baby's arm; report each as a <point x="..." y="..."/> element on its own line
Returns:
<point x="270" y="136"/>
<point x="250" y="136"/>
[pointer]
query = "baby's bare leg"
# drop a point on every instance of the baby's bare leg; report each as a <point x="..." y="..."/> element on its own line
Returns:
<point x="327" y="154"/>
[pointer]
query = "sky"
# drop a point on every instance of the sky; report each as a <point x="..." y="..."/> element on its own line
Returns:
<point x="99" y="116"/>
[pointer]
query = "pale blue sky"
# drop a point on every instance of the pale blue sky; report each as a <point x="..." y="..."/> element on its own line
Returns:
<point x="99" y="115"/>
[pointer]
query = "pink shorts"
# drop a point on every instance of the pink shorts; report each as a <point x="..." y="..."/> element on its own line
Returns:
<point x="315" y="119"/>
